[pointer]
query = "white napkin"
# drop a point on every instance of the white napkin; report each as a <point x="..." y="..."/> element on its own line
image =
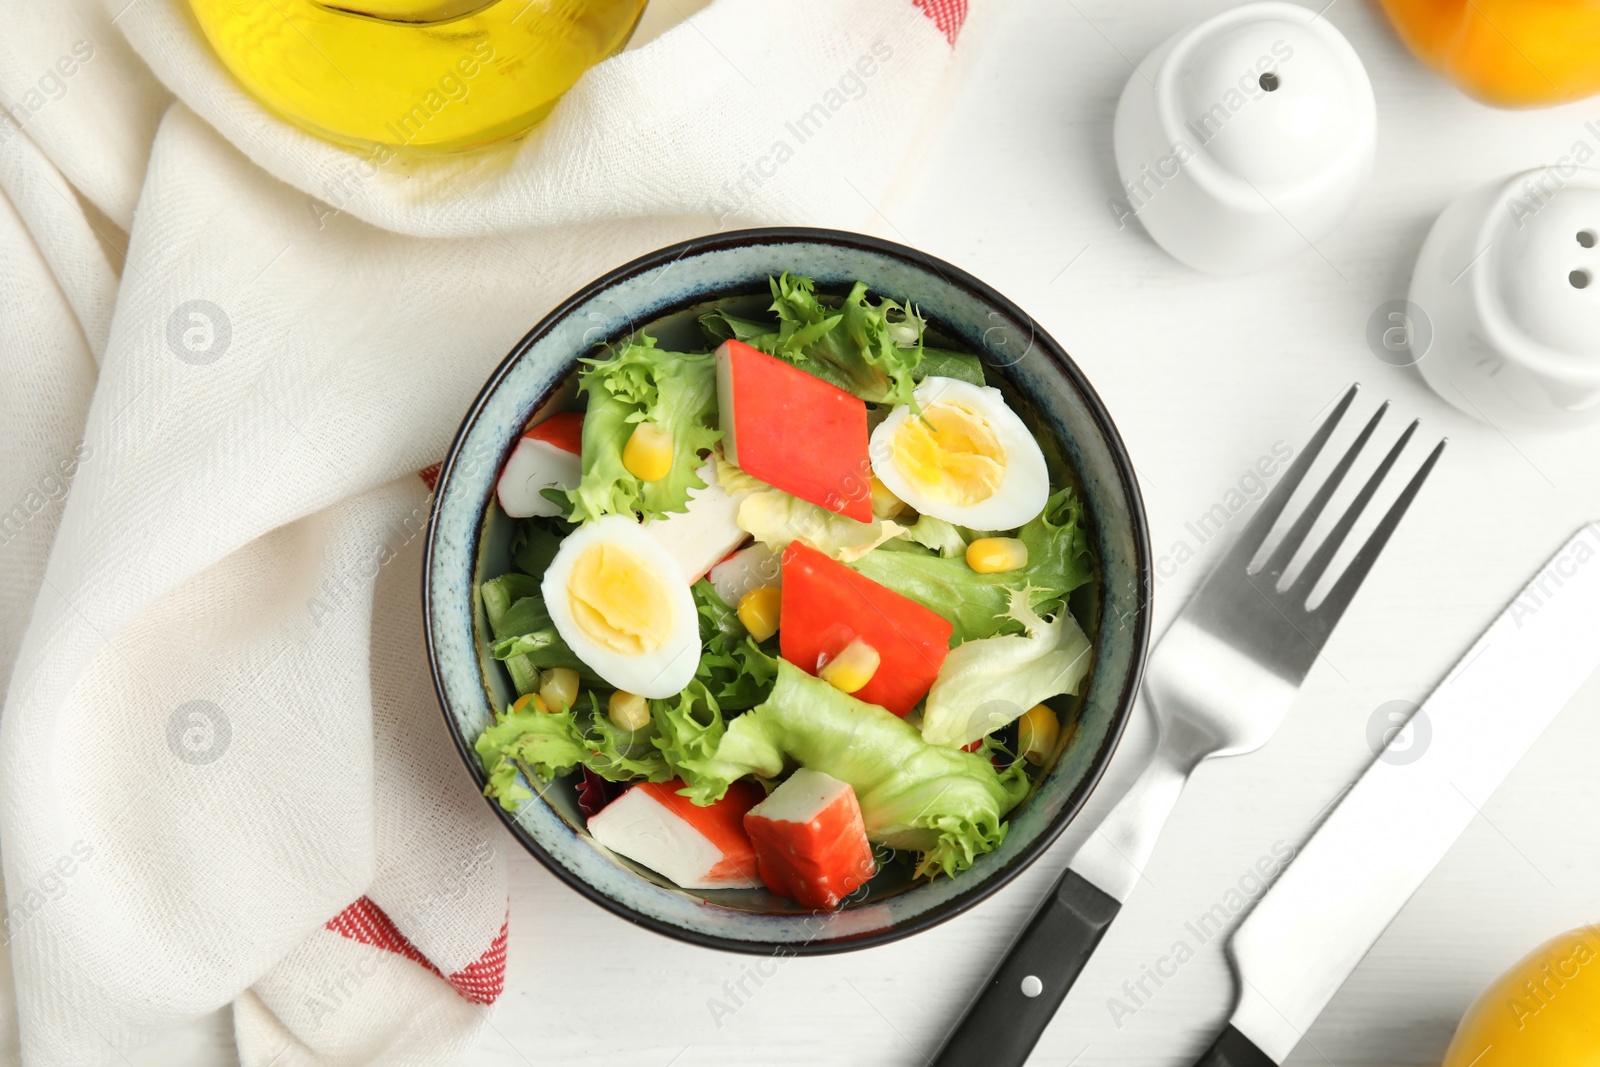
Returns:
<point x="223" y="774"/>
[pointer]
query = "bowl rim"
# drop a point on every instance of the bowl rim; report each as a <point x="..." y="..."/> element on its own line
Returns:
<point x="1121" y="461"/>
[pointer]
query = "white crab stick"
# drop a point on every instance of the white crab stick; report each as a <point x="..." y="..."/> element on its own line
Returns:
<point x="695" y="847"/>
<point x="547" y="457"/>
<point x="751" y="568"/>
<point x="703" y="534"/>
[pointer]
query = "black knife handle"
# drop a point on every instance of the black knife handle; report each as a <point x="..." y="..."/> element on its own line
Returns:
<point x="1003" y="1023"/>
<point x="1233" y="1049"/>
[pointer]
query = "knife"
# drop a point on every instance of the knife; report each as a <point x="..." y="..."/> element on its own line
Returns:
<point x="1312" y="928"/>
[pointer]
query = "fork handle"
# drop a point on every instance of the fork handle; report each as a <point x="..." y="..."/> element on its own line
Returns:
<point x="1233" y="1049"/>
<point x="1004" y="1022"/>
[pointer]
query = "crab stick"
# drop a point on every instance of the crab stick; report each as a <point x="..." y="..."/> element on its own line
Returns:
<point x="547" y="457"/>
<point x="811" y="845"/>
<point x="695" y="847"/>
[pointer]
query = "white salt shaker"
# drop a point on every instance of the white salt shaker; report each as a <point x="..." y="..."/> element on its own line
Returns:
<point x="1509" y="279"/>
<point x="1245" y="138"/>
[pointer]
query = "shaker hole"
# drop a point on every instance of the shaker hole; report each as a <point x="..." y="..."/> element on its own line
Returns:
<point x="1579" y="279"/>
<point x="1586" y="238"/>
<point x="1269" y="82"/>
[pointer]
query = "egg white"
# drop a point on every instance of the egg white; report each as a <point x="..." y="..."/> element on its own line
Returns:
<point x="659" y="673"/>
<point x="1024" y="483"/>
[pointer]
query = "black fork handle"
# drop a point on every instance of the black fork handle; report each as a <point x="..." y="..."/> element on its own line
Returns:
<point x="1006" y="1019"/>
<point x="1233" y="1049"/>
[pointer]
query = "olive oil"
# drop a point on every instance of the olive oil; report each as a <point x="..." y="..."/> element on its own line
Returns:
<point x="418" y="75"/>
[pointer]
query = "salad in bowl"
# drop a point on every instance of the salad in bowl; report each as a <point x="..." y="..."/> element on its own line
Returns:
<point x="789" y="608"/>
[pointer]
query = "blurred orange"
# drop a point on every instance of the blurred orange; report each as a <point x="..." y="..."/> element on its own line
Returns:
<point x="1543" y="1012"/>
<point x="1513" y="53"/>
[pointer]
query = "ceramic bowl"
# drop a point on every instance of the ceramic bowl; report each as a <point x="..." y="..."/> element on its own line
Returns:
<point x="1508" y="283"/>
<point x="662" y="293"/>
<point x="1245" y="138"/>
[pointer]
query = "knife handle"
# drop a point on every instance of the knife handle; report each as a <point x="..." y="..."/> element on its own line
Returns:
<point x="1233" y="1049"/>
<point x="1003" y="1024"/>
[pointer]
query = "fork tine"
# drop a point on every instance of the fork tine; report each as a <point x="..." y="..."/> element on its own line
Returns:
<point x="1297" y="533"/>
<point x="1330" y="547"/>
<point x="1338" y="598"/>
<point x="1251" y="538"/>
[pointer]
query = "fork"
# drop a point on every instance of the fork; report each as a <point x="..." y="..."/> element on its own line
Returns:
<point x="1219" y="682"/>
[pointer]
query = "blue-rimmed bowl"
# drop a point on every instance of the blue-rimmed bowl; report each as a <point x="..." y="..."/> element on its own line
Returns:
<point x="663" y="293"/>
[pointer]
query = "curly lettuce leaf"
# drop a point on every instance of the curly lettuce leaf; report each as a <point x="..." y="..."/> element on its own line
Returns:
<point x="946" y="804"/>
<point x="985" y="684"/>
<point x="734" y="668"/>
<point x="689" y="728"/>
<point x="874" y="351"/>
<point x="869" y="350"/>
<point x="1059" y="561"/>
<point x="642" y="383"/>
<point x="620" y="755"/>
<point x="547" y="744"/>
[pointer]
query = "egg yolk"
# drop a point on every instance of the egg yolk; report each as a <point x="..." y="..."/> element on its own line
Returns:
<point x="618" y="601"/>
<point x="950" y="453"/>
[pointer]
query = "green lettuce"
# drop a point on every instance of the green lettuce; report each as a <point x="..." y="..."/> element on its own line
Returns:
<point x="642" y="383"/>
<point x="526" y="639"/>
<point x="985" y="684"/>
<point x="888" y="334"/>
<point x="617" y="754"/>
<point x="735" y="670"/>
<point x="689" y="727"/>
<point x="536" y="543"/>
<point x="545" y="744"/>
<point x="940" y="363"/>
<point x="1059" y="561"/>
<point x="869" y="350"/>
<point x="941" y="536"/>
<point x="946" y="804"/>
<point x="499" y="594"/>
<point x="721" y="326"/>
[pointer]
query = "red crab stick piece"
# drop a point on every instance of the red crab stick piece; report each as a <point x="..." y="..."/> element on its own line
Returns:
<point x="809" y="839"/>
<point x="547" y="457"/>
<point x="826" y="606"/>
<point x="794" y="431"/>
<point x="695" y="847"/>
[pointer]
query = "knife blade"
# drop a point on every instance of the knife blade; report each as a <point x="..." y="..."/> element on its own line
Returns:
<point x="1311" y="929"/>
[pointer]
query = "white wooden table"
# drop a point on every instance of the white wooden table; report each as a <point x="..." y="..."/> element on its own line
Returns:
<point x="1203" y="376"/>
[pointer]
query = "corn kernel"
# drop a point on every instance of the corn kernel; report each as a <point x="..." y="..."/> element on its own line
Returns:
<point x="759" y="610"/>
<point x="995" y="555"/>
<point x="529" y="702"/>
<point x="1037" y="733"/>
<point x="629" y="711"/>
<point x="648" y="453"/>
<point x="852" y="668"/>
<point x="558" y="687"/>
<point x="885" y="505"/>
